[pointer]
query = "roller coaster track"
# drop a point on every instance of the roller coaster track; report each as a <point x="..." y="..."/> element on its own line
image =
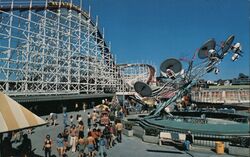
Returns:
<point x="53" y="48"/>
<point x="151" y="70"/>
<point x="55" y="6"/>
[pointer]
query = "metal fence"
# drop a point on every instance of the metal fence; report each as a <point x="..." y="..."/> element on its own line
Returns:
<point x="222" y="96"/>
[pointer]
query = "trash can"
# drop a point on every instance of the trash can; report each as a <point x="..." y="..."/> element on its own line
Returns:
<point x="219" y="147"/>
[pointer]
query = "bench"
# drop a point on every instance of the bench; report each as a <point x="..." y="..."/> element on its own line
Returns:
<point x="165" y="137"/>
<point x="173" y="138"/>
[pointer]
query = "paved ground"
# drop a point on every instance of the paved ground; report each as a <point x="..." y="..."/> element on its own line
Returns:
<point x="130" y="147"/>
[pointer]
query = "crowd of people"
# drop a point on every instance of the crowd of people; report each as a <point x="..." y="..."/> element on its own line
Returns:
<point x="24" y="145"/>
<point x="83" y="136"/>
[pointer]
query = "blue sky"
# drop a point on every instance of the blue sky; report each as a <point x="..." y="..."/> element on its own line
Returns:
<point x="154" y="30"/>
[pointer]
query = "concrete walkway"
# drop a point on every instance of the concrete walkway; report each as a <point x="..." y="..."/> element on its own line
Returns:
<point x="130" y="147"/>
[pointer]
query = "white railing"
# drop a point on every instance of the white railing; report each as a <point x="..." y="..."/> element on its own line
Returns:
<point x="222" y="96"/>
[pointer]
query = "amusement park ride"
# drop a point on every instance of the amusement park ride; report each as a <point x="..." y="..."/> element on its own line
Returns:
<point x="204" y="124"/>
<point x="53" y="50"/>
<point x="180" y="81"/>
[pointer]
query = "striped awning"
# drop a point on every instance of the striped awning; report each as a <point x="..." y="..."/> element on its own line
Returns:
<point x="14" y="116"/>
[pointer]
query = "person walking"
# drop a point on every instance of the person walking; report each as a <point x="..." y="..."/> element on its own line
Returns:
<point x="89" y="121"/>
<point x="112" y="135"/>
<point x="47" y="146"/>
<point x="94" y="116"/>
<point x="188" y="141"/>
<point x="102" y="143"/>
<point x="26" y="146"/>
<point x="91" y="144"/>
<point x="76" y="107"/>
<point x="79" y="118"/>
<point x="107" y="135"/>
<point x="60" y="145"/>
<point x="119" y="128"/>
<point x="81" y="146"/>
<point x="73" y="138"/>
<point x="65" y="119"/>
<point x="84" y="107"/>
<point x="65" y="135"/>
<point x="81" y="129"/>
<point x="95" y="135"/>
<point x="71" y="120"/>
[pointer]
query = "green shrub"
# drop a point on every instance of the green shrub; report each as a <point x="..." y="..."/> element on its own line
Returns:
<point x="152" y="131"/>
<point x="241" y="141"/>
<point x="128" y="125"/>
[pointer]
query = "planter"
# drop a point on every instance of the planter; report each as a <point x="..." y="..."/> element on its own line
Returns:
<point x="152" y="131"/>
<point x="138" y="131"/>
<point x="128" y="125"/>
<point x="150" y="139"/>
<point x="128" y="133"/>
<point x="238" y="151"/>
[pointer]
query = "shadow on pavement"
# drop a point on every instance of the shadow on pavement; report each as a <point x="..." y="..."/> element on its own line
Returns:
<point x="164" y="151"/>
<point x="17" y="152"/>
